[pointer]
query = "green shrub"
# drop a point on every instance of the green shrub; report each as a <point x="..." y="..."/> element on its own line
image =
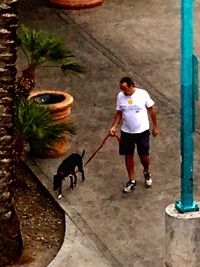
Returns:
<point x="35" y="125"/>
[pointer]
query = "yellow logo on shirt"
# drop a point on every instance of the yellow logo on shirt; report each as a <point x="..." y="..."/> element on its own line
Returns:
<point x="130" y="101"/>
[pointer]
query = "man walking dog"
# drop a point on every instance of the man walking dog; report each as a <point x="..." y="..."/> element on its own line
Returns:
<point x="133" y="108"/>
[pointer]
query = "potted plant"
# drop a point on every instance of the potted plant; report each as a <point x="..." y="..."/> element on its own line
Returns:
<point x="36" y="125"/>
<point x="41" y="48"/>
<point x="59" y="103"/>
<point x="76" y="3"/>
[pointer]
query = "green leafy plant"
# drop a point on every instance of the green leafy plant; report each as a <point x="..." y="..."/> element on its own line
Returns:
<point x="35" y="125"/>
<point x="42" y="49"/>
<point x="33" y="122"/>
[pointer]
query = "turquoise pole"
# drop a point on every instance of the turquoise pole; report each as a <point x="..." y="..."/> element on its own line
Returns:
<point x="187" y="202"/>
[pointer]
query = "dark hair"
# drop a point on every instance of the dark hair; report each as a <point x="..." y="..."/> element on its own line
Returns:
<point x="128" y="81"/>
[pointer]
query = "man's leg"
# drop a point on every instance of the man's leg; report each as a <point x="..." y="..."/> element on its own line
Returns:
<point x="143" y="152"/>
<point x="129" y="162"/>
<point x="126" y="147"/>
<point x="144" y="159"/>
<point x="131" y="185"/>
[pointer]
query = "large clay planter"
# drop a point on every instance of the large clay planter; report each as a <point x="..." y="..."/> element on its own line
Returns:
<point x="76" y="3"/>
<point x="59" y="149"/>
<point x="60" y="103"/>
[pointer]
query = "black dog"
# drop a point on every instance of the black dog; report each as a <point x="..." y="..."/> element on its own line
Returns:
<point x="67" y="168"/>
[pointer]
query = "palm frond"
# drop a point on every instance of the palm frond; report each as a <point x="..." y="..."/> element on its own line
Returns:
<point x="35" y="124"/>
<point x="41" y="46"/>
<point x="72" y="68"/>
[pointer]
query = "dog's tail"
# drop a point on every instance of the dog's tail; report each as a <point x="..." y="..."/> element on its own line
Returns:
<point x="83" y="153"/>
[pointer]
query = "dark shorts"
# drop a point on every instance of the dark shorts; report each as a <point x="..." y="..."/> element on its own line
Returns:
<point x="128" y="141"/>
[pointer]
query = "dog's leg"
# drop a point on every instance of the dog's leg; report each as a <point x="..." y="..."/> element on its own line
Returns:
<point x="82" y="172"/>
<point x="80" y="169"/>
<point x="60" y="192"/>
<point x="83" y="175"/>
<point x="75" y="179"/>
<point x="71" y="182"/>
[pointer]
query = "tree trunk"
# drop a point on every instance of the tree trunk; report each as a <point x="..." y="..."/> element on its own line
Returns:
<point x="25" y="83"/>
<point x="10" y="234"/>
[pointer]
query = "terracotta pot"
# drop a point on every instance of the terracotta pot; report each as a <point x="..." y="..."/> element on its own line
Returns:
<point x="76" y="3"/>
<point x="59" y="149"/>
<point x="60" y="103"/>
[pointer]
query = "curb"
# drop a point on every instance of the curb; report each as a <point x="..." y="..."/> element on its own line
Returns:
<point x="81" y="247"/>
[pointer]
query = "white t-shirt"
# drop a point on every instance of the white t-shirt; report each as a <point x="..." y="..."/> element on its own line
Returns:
<point x="134" y="111"/>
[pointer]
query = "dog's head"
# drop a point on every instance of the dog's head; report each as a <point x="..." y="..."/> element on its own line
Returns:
<point x="57" y="182"/>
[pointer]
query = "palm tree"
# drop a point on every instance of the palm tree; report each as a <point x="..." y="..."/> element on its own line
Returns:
<point x="41" y="48"/>
<point x="10" y="234"/>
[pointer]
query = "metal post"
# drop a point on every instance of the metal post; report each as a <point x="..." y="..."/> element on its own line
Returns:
<point x="187" y="203"/>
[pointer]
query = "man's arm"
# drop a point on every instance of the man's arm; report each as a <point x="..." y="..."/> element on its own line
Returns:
<point x="117" y="120"/>
<point x="152" y="114"/>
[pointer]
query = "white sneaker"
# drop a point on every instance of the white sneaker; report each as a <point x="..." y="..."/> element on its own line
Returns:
<point x="130" y="186"/>
<point x="148" y="180"/>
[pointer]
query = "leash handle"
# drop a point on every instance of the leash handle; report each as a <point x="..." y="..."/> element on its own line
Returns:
<point x="101" y="145"/>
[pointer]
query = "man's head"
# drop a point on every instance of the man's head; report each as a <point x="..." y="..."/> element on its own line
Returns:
<point x="127" y="86"/>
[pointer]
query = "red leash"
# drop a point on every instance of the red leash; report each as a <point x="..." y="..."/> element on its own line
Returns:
<point x="102" y="143"/>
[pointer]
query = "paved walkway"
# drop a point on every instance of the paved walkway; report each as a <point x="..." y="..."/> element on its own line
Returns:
<point x="104" y="227"/>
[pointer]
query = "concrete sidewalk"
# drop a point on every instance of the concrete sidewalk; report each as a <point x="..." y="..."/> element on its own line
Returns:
<point x="104" y="227"/>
